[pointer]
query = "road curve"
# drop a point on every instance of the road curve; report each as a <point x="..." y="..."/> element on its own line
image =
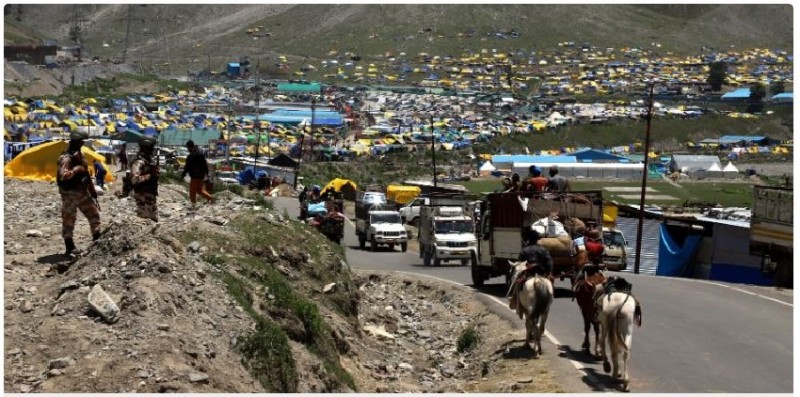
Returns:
<point x="696" y="336"/>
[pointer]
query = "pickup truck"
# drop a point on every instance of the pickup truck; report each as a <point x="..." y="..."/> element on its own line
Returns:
<point x="379" y="223"/>
<point x="771" y="233"/>
<point x="447" y="233"/>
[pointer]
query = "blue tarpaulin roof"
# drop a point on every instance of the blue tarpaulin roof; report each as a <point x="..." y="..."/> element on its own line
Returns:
<point x="741" y="93"/>
<point x="523" y="158"/>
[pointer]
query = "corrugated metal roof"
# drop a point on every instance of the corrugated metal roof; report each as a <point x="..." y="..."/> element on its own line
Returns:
<point x="651" y="235"/>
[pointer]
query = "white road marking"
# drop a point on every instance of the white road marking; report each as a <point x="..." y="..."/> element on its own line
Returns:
<point x="731" y="288"/>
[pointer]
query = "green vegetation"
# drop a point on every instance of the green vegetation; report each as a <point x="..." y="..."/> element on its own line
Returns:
<point x="468" y="340"/>
<point x="274" y="302"/>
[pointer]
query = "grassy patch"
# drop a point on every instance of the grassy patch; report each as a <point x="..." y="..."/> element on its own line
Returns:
<point x="268" y="356"/>
<point x="468" y="340"/>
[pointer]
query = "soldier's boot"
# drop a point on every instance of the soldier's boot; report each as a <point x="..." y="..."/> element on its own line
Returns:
<point x="72" y="252"/>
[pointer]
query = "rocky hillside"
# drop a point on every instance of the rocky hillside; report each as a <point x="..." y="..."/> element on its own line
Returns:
<point x="235" y="298"/>
<point x="186" y="35"/>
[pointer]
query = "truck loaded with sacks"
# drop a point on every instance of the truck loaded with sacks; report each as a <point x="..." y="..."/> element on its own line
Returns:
<point x="505" y="216"/>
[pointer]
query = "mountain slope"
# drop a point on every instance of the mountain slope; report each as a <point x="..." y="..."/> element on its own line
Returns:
<point x="185" y="34"/>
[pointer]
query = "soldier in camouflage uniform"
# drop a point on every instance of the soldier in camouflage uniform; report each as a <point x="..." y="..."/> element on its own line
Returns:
<point x="73" y="181"/>
<point x="144" y="175"/>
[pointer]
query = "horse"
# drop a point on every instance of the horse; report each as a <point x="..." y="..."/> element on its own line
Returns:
<point x="585" y="293"/>
<point x="618" y="313"/>
<point x="534" y="299"/>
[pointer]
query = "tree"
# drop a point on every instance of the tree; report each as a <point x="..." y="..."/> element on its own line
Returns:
<point x="757" y="94"/>
<point x="716" y="75"/>
<point x="776" y="88"/>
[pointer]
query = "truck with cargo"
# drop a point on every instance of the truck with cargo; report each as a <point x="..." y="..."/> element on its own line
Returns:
<point x="447" y="233"/>
<point x="504" y="217"/>
<point x="378" y="223"/>
<point x="771" y="234"/>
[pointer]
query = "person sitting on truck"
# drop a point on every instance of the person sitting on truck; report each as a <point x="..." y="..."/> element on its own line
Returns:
<point x="557" y="183"/>
<point x="593" y="246"/>
<point x="535" y="182"/>
<point x="537" y="260"/>
<point x="516" y="184"/>
<point x="506" y="186"/>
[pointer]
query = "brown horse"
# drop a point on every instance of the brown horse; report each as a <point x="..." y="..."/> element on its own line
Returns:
<point x="584" y="293"/>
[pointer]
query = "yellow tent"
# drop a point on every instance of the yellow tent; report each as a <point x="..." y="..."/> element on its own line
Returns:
<point x="39" y="162"/>
<point x="402" y="194"/>
<point x="346" y="186"/>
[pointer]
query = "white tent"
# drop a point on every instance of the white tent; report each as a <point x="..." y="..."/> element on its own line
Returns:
<point x="730" y="168"/>
<point x="486" y="168"/>
<point x="714" y="167"/>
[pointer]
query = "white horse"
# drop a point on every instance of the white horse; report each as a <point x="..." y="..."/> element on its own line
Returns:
<point x="617" y="316"/>
<point x="534" y="299"/>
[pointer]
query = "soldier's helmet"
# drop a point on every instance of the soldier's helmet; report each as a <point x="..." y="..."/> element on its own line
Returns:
<point x="78" y="136"/>
<point x="147" y="141"/>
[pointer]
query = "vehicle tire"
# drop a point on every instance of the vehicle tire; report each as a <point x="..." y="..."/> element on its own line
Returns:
<point x="373" y="245"/>
<point x="414" y="222"/>
<point x="426" y="259"/>
<point x="362" y="242"/>
<point x="391" y="247"/>
<point x="464" y="262"/>
<point x="477" y="277"/>
<point x="404" y="247"/>
<point x="437" y="261"/>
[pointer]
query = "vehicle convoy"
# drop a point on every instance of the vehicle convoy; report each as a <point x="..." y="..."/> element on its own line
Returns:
<point x="504" y="216"/>
<point x="447" y="233"/>
<point x="379" y="223"/>
<point x="771" y="232"/>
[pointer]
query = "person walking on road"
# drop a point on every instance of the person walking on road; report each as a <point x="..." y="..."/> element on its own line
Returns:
<point x="197" y="168"/>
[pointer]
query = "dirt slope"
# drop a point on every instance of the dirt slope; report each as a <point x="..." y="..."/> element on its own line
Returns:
<point x="235" y="298"/>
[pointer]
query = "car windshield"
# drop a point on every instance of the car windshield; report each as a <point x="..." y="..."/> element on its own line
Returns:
<point x="374" y="198"/>
<point x="616" y="239"/>
<point x="444" y="227"/>
<point x="385" y="218"/>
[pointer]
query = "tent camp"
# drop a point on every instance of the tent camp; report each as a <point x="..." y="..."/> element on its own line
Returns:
<point x="402" y="194"/>
<point x="345" y="186"/>
<point x="39" y="163"/>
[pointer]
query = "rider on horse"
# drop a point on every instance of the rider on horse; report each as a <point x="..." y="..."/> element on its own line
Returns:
<point x="536" y="260"/>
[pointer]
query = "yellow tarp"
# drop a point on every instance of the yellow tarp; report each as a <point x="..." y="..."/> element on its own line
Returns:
<point x="337" y="185"/>
<point x="402" y="194"/>
<point x="610" y="212"/>
<point x="39" y="162"/>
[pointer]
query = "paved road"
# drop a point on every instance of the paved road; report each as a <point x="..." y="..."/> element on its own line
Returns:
<point x="696" y="336"/>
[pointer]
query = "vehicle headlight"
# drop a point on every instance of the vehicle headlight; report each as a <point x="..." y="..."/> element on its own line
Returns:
<point x="472" y="244"/>
<point x="379" y="232"/>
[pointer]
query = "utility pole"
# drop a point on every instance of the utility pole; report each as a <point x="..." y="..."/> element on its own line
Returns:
<point x="258" y="116"/>
<point x="313" y="110"/>
<point x="127" y="34"/>
<point x="433" y="156"/>
<point x="644" y="184"/>
<point x="166" y="43"/>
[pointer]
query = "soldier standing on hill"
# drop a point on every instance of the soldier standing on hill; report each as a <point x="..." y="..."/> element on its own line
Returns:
<point x="73" y="183"/>
<point x="144" y="175"/>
